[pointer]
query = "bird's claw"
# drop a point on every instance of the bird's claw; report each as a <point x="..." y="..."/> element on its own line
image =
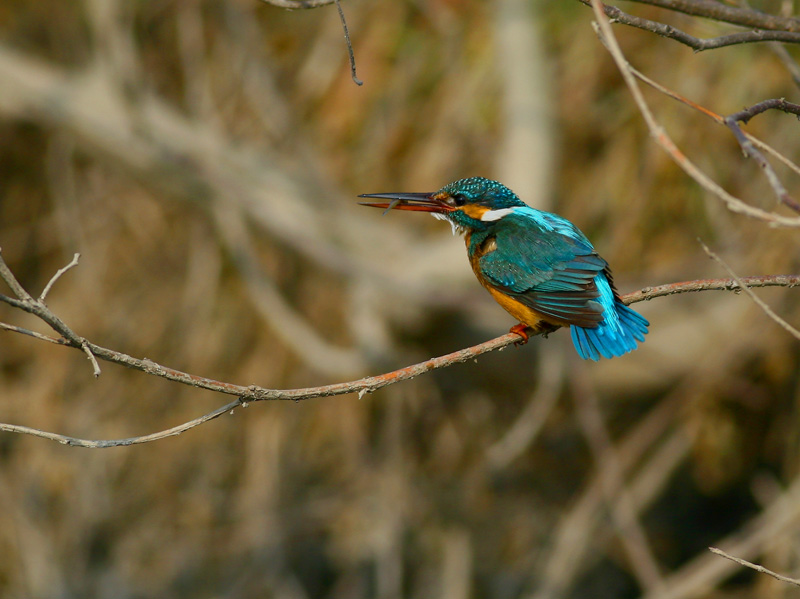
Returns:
<point x="521" y="330"/>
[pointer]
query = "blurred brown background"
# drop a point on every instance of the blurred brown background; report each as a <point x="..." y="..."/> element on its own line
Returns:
<point x="204" y="156"/>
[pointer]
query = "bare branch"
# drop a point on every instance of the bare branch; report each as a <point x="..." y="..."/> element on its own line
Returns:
<point x="13" y="284"/>
<point x="255" y="393"/>
<point x="761" y="304"/>
<point x="756" y="109"/>
<point x="695" y="43"/>
<point x="34" y="334"/>
<point x="755" y="567"/>
<point x="373" y="383"/>
<point x="104" y="444"/>
<point x="649" y="293"/>
<point x="298" y="4"/>
<point x="745" y="17"/>
<point x="661" y="137"/>
<point x="749" y="149"/>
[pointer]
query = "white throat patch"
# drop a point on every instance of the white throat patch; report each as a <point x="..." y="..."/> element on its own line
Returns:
<point x="491" y="215"/>
<point x="455" y="227"/>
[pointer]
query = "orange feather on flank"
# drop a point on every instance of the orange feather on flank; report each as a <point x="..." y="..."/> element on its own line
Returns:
<point x="517" y="309"/>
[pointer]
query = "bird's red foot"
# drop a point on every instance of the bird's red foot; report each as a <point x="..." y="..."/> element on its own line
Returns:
<point x="521" y="330"/>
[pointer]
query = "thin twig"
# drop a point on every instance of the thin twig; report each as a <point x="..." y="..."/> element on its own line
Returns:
<point x="761" y="107"/>
<point x="761" y="304"/>
<point x="745" y="17"/>
<point x="34" y="334"/>
<point x="105" y="444"/>
<point x="298" y="4"/>
<point x="57" y="276"/>
<point x="90" y="355"/>
<point x="349" y="45"/>
<point x="750" y="151"/>
<point x="755" y="567"/>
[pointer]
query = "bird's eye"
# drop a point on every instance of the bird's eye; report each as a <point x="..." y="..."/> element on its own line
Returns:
<point x="459" y="199"/>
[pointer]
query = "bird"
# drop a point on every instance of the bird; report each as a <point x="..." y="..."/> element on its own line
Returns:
<point x="537" y="265"/>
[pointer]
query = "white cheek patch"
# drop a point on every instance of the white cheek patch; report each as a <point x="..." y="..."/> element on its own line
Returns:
<point x="491" y="215"/>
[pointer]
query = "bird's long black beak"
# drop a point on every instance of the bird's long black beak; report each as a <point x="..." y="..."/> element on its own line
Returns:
<point x="417" y="202"/>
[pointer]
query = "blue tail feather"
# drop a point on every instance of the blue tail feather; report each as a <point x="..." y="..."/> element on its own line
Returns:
<point x="616" y="335"/>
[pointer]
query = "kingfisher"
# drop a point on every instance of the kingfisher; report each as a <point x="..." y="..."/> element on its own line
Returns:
<point x="537" y="265"/>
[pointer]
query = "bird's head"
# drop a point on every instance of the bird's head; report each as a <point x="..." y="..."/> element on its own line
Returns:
<point x="469" y="204"/>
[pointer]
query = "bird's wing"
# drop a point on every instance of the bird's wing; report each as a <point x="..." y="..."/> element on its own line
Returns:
<point x="547" y="265"/>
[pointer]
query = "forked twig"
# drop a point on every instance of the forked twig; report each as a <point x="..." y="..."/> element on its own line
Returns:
<point x="744" y="116"/>
<point x="759" y="302"/>
<point x="38" y="308"/>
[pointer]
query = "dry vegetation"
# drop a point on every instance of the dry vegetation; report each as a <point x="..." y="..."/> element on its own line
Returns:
<point x="203" y="156"/>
